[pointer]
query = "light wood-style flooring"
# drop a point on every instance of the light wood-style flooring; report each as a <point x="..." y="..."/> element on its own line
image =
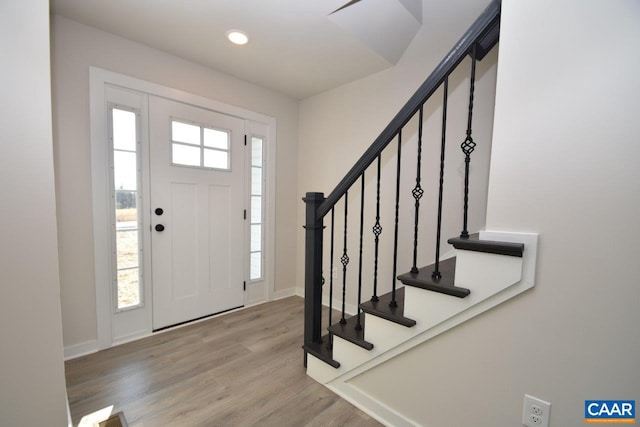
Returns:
<point x="239" y="369"/>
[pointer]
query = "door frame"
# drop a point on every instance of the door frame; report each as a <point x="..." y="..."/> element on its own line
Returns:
<point x="113" y="327"/>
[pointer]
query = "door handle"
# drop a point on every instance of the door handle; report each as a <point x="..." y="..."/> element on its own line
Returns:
<point x="159" y="227"/>
<point x="159" y="211"/>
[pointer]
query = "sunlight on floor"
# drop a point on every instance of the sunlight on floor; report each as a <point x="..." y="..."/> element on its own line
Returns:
<point x="92" y="420"/>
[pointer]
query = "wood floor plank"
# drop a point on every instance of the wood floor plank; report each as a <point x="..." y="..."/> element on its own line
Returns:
<point x="243" y="368"/>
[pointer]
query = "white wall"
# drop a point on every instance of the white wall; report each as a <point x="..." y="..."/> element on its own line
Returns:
<point x="337" y="126"/>
<point x="32" y="384"/>
<point x="76" y="47"/>
<point x="564" y="164"/>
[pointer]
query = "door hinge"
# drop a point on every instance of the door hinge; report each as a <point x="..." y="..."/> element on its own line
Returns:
<point x="244" y="286"/>
<point x="245" y="214"/>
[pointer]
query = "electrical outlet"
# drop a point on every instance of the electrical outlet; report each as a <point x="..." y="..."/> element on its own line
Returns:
<point x="535" y="420"/>
<point x="535" y="412"/>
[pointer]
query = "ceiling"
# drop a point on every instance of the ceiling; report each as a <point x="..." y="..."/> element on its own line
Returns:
<point x="295" y="47"/>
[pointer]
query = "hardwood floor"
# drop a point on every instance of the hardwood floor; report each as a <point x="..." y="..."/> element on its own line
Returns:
<point x="239" y="369"/>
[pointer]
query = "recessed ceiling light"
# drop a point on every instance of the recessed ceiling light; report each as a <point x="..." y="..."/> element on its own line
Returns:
<point x="237" y="37"/>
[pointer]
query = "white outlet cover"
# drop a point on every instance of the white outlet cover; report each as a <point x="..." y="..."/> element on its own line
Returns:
<point x="535" y="412"/>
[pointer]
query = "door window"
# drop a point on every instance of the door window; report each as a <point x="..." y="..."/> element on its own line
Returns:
<point x="199" y="146"/>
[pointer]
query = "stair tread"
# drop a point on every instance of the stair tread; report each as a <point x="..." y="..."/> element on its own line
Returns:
<point x="349" y="332"/>
<point x="445" y="285"/>
<point x="322" y="352"/>
<point x="382" y="309"/>
<point x="473" y="243"/>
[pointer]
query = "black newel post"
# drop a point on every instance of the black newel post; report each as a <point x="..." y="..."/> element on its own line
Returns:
<point x="313" y="270"/>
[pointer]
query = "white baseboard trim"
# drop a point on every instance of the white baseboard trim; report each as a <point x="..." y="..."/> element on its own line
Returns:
<point x="78" y="350"/>
<point x="284" y="293"/>
<point x="257" y="301"/>
<point x="349" y="309"/>
<point x="371" y="406"/>
<point x="132" y="337"/>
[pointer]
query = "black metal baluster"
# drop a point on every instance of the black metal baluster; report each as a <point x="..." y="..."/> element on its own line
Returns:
<point x="377" y="230"/>
<point x="417" y="193"/>
<point x="358" y="324"/>
<point x="345" y="258"/>
<point x="436" y="272"/>
<point x="468" y="145"/>
<point x="393" y="302"/>
<point x="330" y="343"/>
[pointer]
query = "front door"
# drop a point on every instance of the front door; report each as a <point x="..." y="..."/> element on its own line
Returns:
<point x="197" y="170"/>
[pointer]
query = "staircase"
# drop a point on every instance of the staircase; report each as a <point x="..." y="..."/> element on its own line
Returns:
<point x="493" y="264"/>
<point x="483" y="270"/>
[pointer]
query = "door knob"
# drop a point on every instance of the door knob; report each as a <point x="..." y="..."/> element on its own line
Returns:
<point x="159" y="211"/>
<point x="159" y="227"/>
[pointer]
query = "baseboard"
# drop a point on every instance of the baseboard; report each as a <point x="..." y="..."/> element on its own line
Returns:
<point x="132" y="337"/>
<point x="257" y="301"/>
<point x="371" y="406"/>
<point x="349" y="309"/>
<point x="78" y="350"/>
<point x="284" y="293"/>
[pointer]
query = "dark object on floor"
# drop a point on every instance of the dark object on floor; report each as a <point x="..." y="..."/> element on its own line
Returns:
<point x="115" y="420"/>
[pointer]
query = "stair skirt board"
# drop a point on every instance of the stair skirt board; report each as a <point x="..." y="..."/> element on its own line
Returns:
<point x="371" y="406"/>
<point x="493" y="279"/>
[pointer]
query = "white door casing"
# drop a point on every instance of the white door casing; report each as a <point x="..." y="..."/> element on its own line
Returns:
<point x="116" y="327"/>
<point x="198" y="258"/>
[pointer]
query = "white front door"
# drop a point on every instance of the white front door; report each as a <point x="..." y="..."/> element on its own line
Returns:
<point x="197" y="170"/>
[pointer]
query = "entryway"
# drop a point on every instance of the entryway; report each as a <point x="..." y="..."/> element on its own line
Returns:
<point x="200" y="219"/>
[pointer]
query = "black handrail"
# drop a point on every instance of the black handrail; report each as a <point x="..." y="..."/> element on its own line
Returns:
<point x="481" y="28"/>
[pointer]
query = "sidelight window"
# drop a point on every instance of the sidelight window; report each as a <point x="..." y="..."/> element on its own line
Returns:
<point x="257" y="204"/>
<point x="124" y="139"/>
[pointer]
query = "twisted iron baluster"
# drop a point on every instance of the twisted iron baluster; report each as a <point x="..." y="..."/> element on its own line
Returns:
<point x="393" y="302"/>
<point x="358" y="324"/>
<point x="436" y="272"/>
<point x="468" y="145"/>
<point x="417" y="193"/>
<point x="330" y="343"/>
<point x="377" y="230"/>
<point x="344" y="259"/>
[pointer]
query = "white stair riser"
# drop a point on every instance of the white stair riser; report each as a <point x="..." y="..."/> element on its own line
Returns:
<point x="319" y="370"/>
<point x="350" y="354"/>
<point x="384" y="334"/>
<point x="485" y="274"/>
<point x="479" y="270"/>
